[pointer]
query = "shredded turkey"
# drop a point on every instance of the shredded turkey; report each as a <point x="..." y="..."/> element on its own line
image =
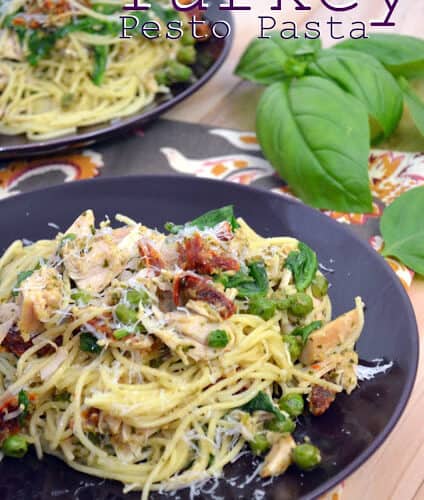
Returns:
<point x="42" y="296"/>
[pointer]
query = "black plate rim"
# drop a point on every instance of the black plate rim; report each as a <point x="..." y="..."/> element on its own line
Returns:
<point x="406" y="303"/>
<point x="110" y="129"/>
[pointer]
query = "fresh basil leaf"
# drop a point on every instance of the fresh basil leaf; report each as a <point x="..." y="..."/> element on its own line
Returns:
<point x="101" y="53"/>
<point x="365" y="78"/>
<point x="272" y="59"/>
<point x="305" y="331"/>
<point x="414" y="103"/>
<point x="401" y="55"/>
<point x="208" y="220"/>
<point x="303" y="263"/>
<point x="262" y="402"/>
<point x="317" y="137"/>
<point x="402" y="228"/>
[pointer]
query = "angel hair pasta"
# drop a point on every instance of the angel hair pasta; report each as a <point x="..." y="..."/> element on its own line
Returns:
<point x="63" y="64"/>
<point x="154" y="358"/>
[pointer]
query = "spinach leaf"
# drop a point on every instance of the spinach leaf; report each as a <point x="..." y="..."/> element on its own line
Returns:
<point x="249" y="285"/>
<point x="273" y="59"/>
<point x="22" y="276"/>
<point x="400" y="54"/>
<point x="402" y="228"/>
<point x="208" y="220"/>
<point x="317" y="138"/>
<point x="40" y="45"/>
<point x="305" y="331"/>
<point x="101" y="53"/>
<point x="365" y="78"/>
<point x="303" y="263"/>
<point x="88" y="343"/>
<point x="262" y="402"/>
<point x="414" y="103"/>
<point x="23" y="401"/>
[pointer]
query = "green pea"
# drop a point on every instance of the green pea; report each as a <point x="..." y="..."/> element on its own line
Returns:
<point x="306" y="456"/>
<point x="282" y="426"/>
<point x="263" y="307"/>
<point x="259" y="444"/>
<point x="187" y="38"/>
<point x="15" y="446"/>
<point x="178" y="72"/>
<point x="134" y="297"/>
<point x="186" y="55"/>
<point x="300" y="304"/>
<point x="218" y="339"/>
<point x="319" y="286"/>
<point x="295" y="346"/>
<point x="162" y="78"/>
<point x="292" y="404"/>
<point x="121" y="333"/>
<point x="282" y="304"/>
<point x="81" y="297"/>
<point x="125" y="315"/>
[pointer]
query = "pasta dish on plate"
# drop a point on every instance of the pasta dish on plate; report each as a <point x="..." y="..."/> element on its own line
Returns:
<point x="63" y="64"/>
<point x="155" y="358"/>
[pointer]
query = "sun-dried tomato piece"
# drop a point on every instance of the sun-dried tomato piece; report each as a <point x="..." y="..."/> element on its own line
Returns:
<point x="150" y="255"/>
<point x="320" y="400"/>
<point x="102" y="325"/>
<point x="189" y="286"/>
<point x="49" y="349"/>
<point x="14" y="343"/>
<point x="195" y="255"/>
<point x="9" y="427"/>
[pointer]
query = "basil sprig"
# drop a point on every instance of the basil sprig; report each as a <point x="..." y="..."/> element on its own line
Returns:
<point x="313" y="119"/>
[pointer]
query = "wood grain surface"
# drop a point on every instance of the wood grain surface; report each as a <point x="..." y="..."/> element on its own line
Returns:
<point x="396" y="471"/>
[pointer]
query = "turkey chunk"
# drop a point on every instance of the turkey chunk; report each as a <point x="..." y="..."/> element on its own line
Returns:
<point x="42" y="296"/>
<point x="341" y="333"/>
<point x="279" y="458"/>
<point x="94" y="260"/>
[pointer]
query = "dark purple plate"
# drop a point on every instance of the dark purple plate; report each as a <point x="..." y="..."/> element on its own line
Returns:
<point x="352" y="429"/>
<point x="210" y="57"/>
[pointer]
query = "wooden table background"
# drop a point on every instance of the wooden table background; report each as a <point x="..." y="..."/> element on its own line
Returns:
<point x="396" y="470"/>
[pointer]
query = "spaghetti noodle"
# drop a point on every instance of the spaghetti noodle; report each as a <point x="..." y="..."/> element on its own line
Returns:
<point x="153" y="359"/>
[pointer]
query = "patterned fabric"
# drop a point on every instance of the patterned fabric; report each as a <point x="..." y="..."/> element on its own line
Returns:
<point x="173" y="147"/>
